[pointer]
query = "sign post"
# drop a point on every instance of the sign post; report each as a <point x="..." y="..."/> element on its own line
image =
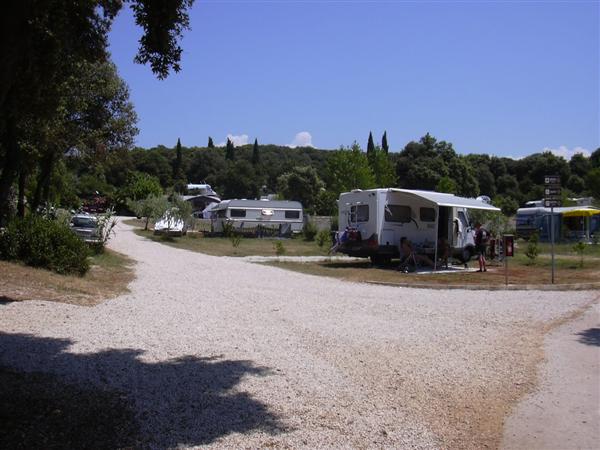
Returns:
<point x="508" y="247"/>
<point x="552" y="198"/>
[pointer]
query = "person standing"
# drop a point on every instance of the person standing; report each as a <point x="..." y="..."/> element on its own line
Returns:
<point x="481" y="238"/>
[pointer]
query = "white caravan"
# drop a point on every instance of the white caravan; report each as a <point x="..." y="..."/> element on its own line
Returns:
<point x="260" y="217"/>
<point x="372" y="222"/>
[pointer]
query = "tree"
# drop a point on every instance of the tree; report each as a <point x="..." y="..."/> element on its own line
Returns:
<point x="383" y="170"/>
<point x="151" y="207"/>
<point x="301" y="184"/>
<point x="210" y="143"/>
<point x="384" y="143"/>
<point x="370" y="146"/>
<point x="592" y="182"/>
<point x="41" y="43"/>
<point x="347" y="169"/>
<point x="140" y="186"/>
<point x="229" y="150"/>
<point x="179" y="180"/>
<point x="239" y="180"/>
<point x="255" y="154"/>
<point x="446" y="184"/>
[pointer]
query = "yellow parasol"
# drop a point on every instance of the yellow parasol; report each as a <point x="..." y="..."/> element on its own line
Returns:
<point x="581" y="213"/>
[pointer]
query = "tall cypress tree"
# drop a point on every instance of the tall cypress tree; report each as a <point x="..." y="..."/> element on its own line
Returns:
<point x="210" y="143"/>
<point x="179" y="180"/>
<point x="229" y="150"/>
<point x="370" y="147"/>
<point x="384" y="144"/>
<point x="255" y="154"/>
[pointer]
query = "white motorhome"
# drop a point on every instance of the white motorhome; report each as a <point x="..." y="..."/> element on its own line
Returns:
<point x="279" y="217"/>
<point x="372" y="222"/>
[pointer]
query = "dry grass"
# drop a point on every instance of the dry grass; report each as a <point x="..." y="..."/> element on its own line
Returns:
<point x="108" y="277"/>
<point x="221" y="246"/>
<point x="519" y="273"/>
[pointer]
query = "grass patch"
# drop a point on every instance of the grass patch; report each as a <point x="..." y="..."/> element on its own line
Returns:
<point x="567" y="272"/>
<point x="109" y="275"/>
<point x="221" y="246"/>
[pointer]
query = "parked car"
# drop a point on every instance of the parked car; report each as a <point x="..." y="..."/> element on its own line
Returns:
<point x="86" y="227"/>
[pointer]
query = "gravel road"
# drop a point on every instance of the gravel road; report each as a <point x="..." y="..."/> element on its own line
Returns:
<point x="221" y="352"/>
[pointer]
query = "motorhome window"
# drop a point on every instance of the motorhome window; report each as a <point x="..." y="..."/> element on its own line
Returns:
<point x="359" y="213"/>
<point x="292" y="214"/>
<point x="427" y="214"/>
<point x="398" y="213"/>
<point x="238" y="213"/>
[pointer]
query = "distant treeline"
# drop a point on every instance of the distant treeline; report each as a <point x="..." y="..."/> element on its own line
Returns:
<point x="316" y="176"/>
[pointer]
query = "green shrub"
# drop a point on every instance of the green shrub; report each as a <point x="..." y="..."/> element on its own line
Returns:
<point x="324" y="238"/>
<point x="532" y="249"/>
<point x="579" y="248"/>
<point x="41" y="242"/>
<point x="309" y="231"/>
<point x="279" y="248"/>
<point x="235" y="239"/>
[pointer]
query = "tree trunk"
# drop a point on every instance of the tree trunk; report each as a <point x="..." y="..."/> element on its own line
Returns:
<point x="21" y="201"/>
<point x="12" y="161"/>
<point x="42" y="187"/>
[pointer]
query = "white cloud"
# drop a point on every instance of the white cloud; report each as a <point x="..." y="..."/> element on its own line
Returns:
<point x="566" y="153"/>
<point x="302" y="139"/>
<point x="242" y="139"/>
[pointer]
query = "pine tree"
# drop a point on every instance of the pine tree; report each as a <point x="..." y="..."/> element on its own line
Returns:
<point x="229" y="150"/>
<point x="178" y="176"/>
<point x="384" y="143"/>
<point x="210" y="143"/>
<point x="255" y="155"/>
<point x="370" y="146"/>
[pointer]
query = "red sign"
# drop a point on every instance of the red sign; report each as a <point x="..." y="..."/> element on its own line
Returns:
<point x="509" y="245"/>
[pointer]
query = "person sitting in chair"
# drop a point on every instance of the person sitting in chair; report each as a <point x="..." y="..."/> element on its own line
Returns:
<point x="409" y="257"/>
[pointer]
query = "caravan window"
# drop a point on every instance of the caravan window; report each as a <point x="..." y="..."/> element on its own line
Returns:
<point x="427" y="214"/>
<point x="238" y="213"/>
<point x="359" y="213"/>
<point x="292" y="214"/>
<point x="398" y="213"/>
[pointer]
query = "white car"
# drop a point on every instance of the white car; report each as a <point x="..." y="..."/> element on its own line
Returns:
<point x="86" y="227"/>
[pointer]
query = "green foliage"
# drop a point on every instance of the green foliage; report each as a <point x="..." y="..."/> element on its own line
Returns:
<point x="446" y="184"/>
<point x="309" y="231"/>
<point x="41" y="242"/>
<point x="384" y="143"/>
<point x="255" y="153"/>
<point x="229" y="150"/>
<point x="383" y="170"/>
<point x="279" y="248"/>
<point x="301" y="184"/>
<point x="592" y="182"/>
<point x="579" y="248"/>
<point x="370" y="146"/>
<point x="140" y="186"/>
<point x="151" y="208"/>
<point x="324" y="238"/>
<point x="347" y="169"/>
<point x="210" y="144"/>
<point x="228" y="229"/>
<point x="532" y="249"/>
<point x="507" y="204"/>
<point x="235" y="239"/>
<point x="326" y="203"/>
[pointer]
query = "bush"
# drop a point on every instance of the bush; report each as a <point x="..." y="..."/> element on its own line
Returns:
<point x="279" y="248"/>
<point x="309" y="231"/>
<point x="532" y="248"/>
<point x="579" y="248"/>
<point x="41" y="242"/>
<point x="324" y="238"/>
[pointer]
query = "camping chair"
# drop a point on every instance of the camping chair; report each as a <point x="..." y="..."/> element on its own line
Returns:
<point x="409" y="262"/>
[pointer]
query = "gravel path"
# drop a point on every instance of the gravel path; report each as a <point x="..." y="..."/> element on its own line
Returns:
<point x="222" y="352"/>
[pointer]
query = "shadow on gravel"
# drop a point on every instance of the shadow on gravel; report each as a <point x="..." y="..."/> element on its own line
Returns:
<point x="4" y="300"/>
<point x="111" y="399"/>
<point x="591" y="336"/>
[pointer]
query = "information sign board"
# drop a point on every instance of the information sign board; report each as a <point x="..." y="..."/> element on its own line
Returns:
<point x="552" y="179"/>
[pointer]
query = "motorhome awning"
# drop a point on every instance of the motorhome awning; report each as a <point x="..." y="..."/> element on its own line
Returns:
<point x="442" y="199"/>
<point x="581" y="213"/>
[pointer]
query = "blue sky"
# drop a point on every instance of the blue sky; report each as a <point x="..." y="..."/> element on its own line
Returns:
<point x="505" y="78"/>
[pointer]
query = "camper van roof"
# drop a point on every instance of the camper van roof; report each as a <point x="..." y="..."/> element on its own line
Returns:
<point x="557" y="210"/>
<point x="443" y="199"/>
<point x="280" y="204"/>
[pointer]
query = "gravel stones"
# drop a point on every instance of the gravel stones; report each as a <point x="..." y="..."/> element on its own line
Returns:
<point x="221" y="352"/>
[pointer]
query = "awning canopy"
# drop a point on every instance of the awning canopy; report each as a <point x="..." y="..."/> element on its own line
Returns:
<point x="581" y="213"/>
<point x="442" y="199"/>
